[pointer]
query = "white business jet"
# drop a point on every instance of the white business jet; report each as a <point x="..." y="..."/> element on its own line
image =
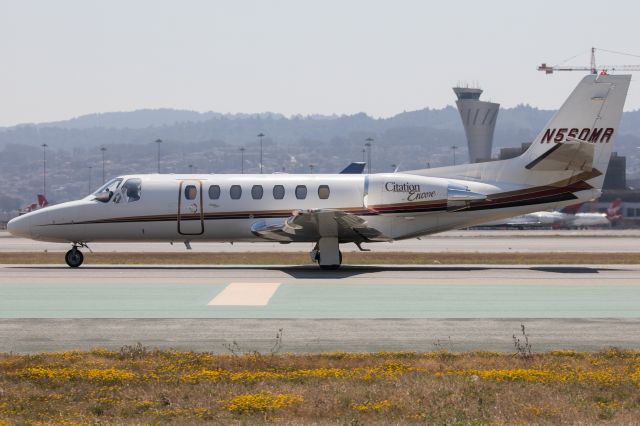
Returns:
<point x="565" y="164"/>
<point x="565" y="218"/>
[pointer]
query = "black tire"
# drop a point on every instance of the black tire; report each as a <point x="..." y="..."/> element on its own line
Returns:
<point x="329" y="267"/>
<point x="74" y="258"/>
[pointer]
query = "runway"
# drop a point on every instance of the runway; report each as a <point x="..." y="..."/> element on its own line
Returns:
<point x="306" y="292"/>
<point x="356" y="308"/>
<point x="482" y="241"/>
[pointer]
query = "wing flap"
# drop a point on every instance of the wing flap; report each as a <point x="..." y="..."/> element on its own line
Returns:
<point x="311" y="225"/>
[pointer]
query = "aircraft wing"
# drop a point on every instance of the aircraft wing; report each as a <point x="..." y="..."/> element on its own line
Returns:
<point x="304" y="225"/>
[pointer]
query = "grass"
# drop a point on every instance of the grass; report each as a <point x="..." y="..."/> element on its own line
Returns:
<point x="301" y="258"/>
<point x="139" y="386"/>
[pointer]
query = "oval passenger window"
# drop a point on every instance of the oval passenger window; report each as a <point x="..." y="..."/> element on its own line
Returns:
<point x="323" y="192"/>
<point x="278" y="192"/>
<point x="235" y="192"/>
<point x="190" y="192"/>
<point x="301" y="192"/>
<point x="214" y="192"/>
<point x="256" y="192"/>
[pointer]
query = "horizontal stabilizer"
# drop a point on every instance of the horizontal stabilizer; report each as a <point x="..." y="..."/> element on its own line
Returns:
<point x="573" y="155"/>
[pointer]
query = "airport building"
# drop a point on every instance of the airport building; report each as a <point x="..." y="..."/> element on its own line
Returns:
<point x="479" y="121"/>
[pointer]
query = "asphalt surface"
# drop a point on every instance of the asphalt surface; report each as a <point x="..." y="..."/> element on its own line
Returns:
<point x="46" y="307"/>
<point x="317" y="335"/>
<point x="485" y="241"/>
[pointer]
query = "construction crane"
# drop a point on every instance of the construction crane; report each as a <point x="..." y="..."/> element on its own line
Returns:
<point x="592" y="68"/>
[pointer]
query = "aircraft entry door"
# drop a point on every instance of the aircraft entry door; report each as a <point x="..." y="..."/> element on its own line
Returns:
<point x="190" y="214"/>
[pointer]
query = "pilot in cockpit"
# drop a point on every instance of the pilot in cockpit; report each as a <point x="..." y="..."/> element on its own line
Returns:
<point x="129" y="191"/>
<point x="133" y="191"/>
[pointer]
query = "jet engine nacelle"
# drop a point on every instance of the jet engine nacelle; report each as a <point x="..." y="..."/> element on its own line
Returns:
<point x="386" y="192"/>
<point x="397" y="189"/>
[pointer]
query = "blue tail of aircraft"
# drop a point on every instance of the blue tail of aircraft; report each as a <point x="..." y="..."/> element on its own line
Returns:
<point x="354" y="169"/>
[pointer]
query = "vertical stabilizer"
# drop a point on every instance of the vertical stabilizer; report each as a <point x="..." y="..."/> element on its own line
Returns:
<point x="591" y="115"/>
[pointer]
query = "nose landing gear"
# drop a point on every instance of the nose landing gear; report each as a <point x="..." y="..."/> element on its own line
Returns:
<point x="74" y="257"/>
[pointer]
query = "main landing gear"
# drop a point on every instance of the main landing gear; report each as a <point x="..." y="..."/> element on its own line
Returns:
<point x="74" y="257"/>
<point x="327" y="253"/>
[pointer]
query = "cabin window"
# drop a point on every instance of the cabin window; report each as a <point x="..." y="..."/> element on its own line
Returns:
<point x="214" y="192"/>
<point x="235" y="192"/>
<point x="278" y="192"/>
<point x="323" y="192"/>
<point x="129" y="191"/>
<point x="301" y="192"/>
<point x="256" y="192"/>
<point x="190" y="192"/>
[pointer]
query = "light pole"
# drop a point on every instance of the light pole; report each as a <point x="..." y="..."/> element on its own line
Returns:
<point x="158" y="141"/>
<point x="103" y="149"/>
<point x="44" y="169"/>
<point x="242" y="160"/>
<point x="311" y="168"/>
<point x="260" y="135"/>
<point x="453" y="149"/>
<point x="368" y="145"/>
<point x="364" y="151"/>
<point x="90" y="170"/>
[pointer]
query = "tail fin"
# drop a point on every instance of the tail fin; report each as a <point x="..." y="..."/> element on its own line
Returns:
<point x="614" y="211"/>
<point x="580" y="135"/>
<point x="572" y="209"/>
<point x="42" y="201"/>
<point x="353" y="169"/>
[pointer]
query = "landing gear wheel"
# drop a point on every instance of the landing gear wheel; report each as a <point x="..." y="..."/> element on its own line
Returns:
<point x="74" y="258"/>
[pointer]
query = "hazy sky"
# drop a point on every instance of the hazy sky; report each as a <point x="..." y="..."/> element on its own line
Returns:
<point x="64" y="58"/>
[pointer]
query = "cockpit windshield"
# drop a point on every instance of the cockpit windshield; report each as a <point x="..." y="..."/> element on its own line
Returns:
<point x="106" y="191"/>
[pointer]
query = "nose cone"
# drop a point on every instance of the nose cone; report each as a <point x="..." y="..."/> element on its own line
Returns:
<point x="20" y="226"/>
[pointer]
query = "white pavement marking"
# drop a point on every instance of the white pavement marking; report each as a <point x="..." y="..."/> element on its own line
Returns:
<point x="245" y="294"/>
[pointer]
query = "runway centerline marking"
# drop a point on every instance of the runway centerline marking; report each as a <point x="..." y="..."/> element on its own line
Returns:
<point x="245" y="294"/>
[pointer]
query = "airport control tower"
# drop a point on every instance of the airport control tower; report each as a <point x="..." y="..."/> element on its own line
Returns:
<point x="479" y="120"/>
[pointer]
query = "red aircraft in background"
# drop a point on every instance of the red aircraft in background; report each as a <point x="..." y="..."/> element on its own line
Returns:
<point x="42" y="203"/>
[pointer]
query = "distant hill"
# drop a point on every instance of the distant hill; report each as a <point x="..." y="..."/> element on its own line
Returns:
<point x="514" y="126"/>
<point x="142" y="118"/>
<point x="210" y="142"/>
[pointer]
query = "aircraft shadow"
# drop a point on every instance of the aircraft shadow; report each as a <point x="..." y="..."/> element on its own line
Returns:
<point x="346" y="271"/>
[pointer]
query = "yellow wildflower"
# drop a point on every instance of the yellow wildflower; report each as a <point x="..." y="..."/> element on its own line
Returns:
<point x="204" y="374"/>
<point x="109" y="375"/>
<point x="261" y="402"/>
<point x="67" y="374"/>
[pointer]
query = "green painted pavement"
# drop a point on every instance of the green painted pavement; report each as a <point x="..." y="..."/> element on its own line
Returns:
<point x="329" y="300"/>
